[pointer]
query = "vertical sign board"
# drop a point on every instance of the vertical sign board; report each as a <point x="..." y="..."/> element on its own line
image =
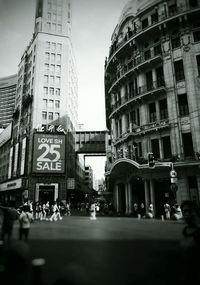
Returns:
<point x="10" y="163"/>
<point x="48" y="153"/>
<point x="23" y="156"/>
<point x="16" y="159"/>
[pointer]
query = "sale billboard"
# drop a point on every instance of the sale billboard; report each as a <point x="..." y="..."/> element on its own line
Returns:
<point x="48" y="153"/>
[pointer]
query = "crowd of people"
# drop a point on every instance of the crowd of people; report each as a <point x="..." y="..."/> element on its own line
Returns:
<point x="168" y="212"/>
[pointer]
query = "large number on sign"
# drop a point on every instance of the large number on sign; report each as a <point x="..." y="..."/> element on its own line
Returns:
<point x="49" y="149"/>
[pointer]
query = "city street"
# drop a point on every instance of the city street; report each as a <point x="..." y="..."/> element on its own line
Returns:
<point x="108" y="250"/>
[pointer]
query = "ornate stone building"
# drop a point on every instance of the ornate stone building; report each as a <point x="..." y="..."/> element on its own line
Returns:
<point x="152" y="91"/>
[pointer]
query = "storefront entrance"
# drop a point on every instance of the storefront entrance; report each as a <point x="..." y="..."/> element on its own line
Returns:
<point x="46" y="192"/>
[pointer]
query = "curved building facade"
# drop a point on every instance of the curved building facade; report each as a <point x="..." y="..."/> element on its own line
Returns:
<point x="7" y="99"/>
<point x="152" y="85"/>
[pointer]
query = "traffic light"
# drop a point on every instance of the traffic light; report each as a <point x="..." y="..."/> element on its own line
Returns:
<point x="151" y="161"/>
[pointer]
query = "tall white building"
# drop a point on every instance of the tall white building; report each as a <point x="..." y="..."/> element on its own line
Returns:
<point x="47" y="73"/>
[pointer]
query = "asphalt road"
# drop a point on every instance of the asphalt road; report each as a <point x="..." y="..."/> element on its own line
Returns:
<point x="108" y="250"/>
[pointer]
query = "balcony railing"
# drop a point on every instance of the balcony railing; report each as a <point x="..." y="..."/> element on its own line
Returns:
<point x="138" y="130"/>
<point x="134" y="63"/>
<point x="141" y="92"/>
<point x="132" y="33"/>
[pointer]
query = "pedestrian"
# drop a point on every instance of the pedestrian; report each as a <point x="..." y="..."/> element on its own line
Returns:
<point x="68" y="212"/>
<point x="142" y="211"/>
<point x="9" y="217"/>
<point x="135" y="210"/>
<point x="150" y="213"/>
<point x="190" y="243"/>
<point x="25" y="220"/>
<point x="177" y="215"/>
<point x="167" y="210"/>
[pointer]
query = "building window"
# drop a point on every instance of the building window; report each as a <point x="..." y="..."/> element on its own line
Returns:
<point x="48" y="26"/>
<point x="58" y="91"/>
<point x="46" y="67"/>
<point x="57" y="116"/>
<point x="193" y="3"/>
<point x="139" y="149"/>
<point x="45" y="91"/>
<point x="53" y="27"/>
<point x="145" y="23"/>
<point x="51" y="80"/>
<point x="179" y="70"/>
<point x="47" y="55"/>
<point x="50" y="116"/>
<point x="59" y="28"/>
<point x="188" y="145"/>
<point x="198" y="64"/>
<point x="160" y="76"/>
<point x="183" y="105"/>
<point x="53" y="56"/>
<point x="57" y="104"/>
<point x="59" y="47"/>
<point x="175" y="42"/>
<point x="196" y="36"/>
<point x="44" y="103"/>
<point x="163" y="109"/>
<point x="152" y="112"/>
<point x="50" y="104"/>
<point x="51" y="90"/>
<point x="58" y="69"/>
<point x="155" y="148"/>
<point x="49" y="16"/>
<point x="53" y="46"/>
<point x="57" y="80"/>
<point x="167" y="153"/>
<point x="149" y="80"/>
<point x="157" y="50"/>
<point x="52" y="68"/>
<point x="172" y="10"/>
<point x="147" y="54"/>
<point x="54" y="17"/>
<point x="154" y="18"/>
<point x="59" y="57"/>
<point x="44" y="115"/>
<point x="47" y="45"/>
<point x="46" y="79"/>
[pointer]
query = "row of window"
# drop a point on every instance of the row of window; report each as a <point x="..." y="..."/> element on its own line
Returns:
<point x="51" y="115"/>
<point x="134" y="116"/>
<point x="52" y="57"/>
<point x="54" y="27"/>
<point x="54" y="17"/>
<point x="51" y="103"/>
<point x="52" y="68"/>
<point x="51" y="91"/>
<point x="54" y="46"/>
<point x="52" y="79"/>
<point x="136" y="150"/>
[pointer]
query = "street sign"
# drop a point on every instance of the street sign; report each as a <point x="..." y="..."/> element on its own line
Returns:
<point x="174" y="180"/>
<point x="173" y="173"/>
<point x="174" y="187"/>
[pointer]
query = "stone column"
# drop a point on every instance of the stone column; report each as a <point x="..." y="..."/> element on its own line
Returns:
<point x="146" y="191"/>
<point x="116" y="197"/>
<point x="152" y="195"/>
<point x="127" y="198"/>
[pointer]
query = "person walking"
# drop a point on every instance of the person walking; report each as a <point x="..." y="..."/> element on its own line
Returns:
<point x="25" y="220"/>
<point x="167" y="210"/>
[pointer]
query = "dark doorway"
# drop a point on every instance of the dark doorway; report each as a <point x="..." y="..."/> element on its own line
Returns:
<point x="122" y="198"/>
<point x="163" y="194"/>
<point x="46" y="193"/>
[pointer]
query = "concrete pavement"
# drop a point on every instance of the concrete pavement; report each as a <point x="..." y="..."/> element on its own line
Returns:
<point x="108" y="250"/>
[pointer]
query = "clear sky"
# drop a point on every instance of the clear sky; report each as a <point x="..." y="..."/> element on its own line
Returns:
<point x="93" y="22"/>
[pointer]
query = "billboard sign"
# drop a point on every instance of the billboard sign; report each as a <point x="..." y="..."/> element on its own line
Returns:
<point x="48" y="153"/>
